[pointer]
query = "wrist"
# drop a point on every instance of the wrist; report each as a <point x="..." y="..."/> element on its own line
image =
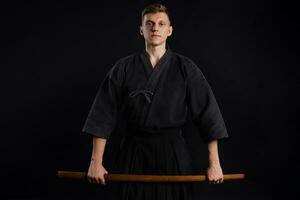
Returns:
<point x="212" y="162"/>
<point x="96" y="160"/>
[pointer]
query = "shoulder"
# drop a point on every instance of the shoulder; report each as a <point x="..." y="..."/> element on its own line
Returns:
<point x="190" y="68"/>
<point x="119" y="68"/>
<point x="184" y="59"/>
<point x="125" y="60"/>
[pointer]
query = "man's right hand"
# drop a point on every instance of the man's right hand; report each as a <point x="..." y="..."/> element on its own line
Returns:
<point x="96" y="173"/>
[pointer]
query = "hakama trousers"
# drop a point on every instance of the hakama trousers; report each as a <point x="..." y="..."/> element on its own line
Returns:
<point x="159" y="152"/>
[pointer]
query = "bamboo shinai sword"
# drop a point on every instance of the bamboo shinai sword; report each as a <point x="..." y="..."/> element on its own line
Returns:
<point x="147" y="178"/>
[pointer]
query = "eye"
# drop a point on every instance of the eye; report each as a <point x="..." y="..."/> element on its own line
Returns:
<point x="148" y="24"/>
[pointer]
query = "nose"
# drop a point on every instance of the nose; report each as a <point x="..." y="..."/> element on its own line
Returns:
<point x="155" y="27"/>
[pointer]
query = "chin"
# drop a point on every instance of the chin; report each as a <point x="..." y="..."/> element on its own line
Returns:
<point x="155" y="43"/>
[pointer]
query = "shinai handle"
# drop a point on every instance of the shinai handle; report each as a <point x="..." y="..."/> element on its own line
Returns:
<point x="147" y="178"/>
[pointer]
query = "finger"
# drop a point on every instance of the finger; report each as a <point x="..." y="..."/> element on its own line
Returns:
<point x="213" y="180"/>
<point x="104" y="174"/>
<point x="88" y="178"/>
<point x="104" y="178"/>
<point x="92" y="180"/>
<point x="210" y="181"/>
<point x="101" y="181"/>
<point x="97" y="180"/>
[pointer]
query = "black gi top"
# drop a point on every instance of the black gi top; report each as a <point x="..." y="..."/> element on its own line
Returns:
<point x="155" y="98"/>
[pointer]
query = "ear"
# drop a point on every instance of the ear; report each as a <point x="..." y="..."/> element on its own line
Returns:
<point x="141" y="30"/>
<point x="170" y="30"/>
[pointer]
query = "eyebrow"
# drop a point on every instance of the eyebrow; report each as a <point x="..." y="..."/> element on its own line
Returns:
<point x="148" y="20"/>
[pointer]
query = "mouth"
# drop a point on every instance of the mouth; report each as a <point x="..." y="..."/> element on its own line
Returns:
<point x="155" y="36"/>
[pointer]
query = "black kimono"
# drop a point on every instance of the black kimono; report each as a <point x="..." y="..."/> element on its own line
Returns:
<point x="154" y="104"/>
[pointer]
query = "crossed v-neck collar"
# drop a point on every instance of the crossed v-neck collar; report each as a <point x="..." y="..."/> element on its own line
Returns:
<point x="149" y="69"/>
<point x="153" y="74"/>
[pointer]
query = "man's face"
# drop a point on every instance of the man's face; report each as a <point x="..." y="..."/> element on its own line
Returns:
<point x="156" y="28"/>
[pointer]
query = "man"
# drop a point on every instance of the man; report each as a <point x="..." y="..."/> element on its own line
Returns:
<point x="155" y="88"/>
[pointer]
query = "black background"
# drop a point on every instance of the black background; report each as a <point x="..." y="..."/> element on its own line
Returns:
<point x="55" y="55"/>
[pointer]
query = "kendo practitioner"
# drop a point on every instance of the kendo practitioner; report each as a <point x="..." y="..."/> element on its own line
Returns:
<point x="154" y="88"/>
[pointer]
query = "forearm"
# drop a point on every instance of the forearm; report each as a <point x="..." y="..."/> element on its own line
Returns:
<point x="213" y="155"/>
<point x="98" y="149"/>
<point x="214" y="171"/>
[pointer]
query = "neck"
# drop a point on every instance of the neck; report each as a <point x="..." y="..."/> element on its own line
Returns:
<point x="156" y="52"/>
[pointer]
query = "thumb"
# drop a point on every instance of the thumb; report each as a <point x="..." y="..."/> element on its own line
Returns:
<point x="103" y="180"/>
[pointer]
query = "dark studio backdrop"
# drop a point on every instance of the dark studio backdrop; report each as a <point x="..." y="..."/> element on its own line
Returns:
<point x="55" y="55"/>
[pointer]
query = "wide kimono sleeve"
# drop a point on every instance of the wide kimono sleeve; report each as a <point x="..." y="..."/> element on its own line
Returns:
<point x="203" y="106"/>
<point x="103" y="113"/>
